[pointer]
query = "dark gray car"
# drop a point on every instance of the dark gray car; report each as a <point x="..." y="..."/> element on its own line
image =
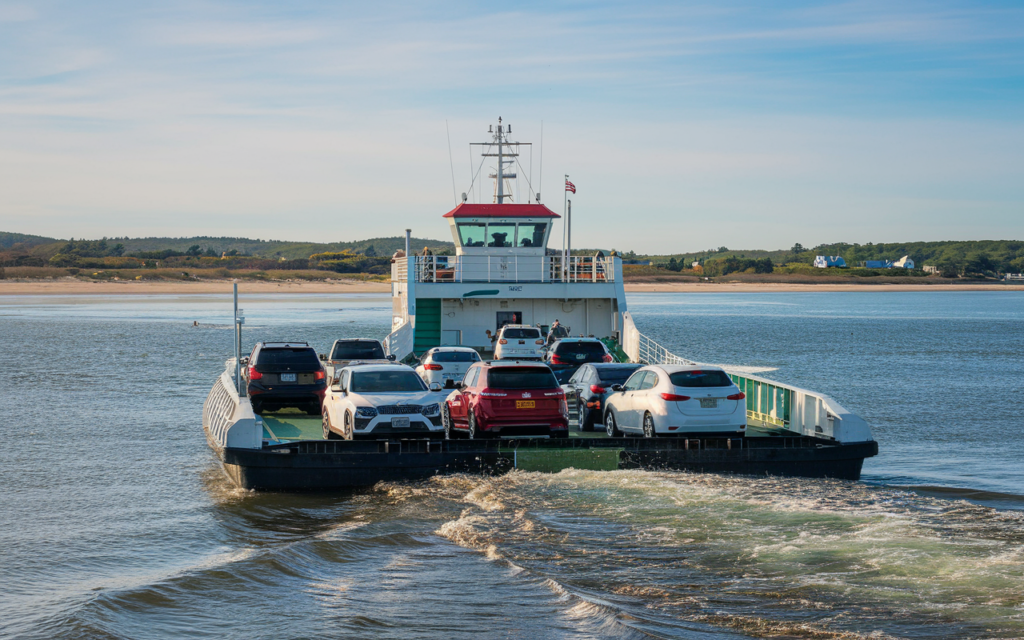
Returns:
<point x="586" y="390"/>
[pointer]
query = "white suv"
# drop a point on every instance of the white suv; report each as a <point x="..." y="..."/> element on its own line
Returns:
<point x="519" y="342"/>
<point x="446" y="365"/>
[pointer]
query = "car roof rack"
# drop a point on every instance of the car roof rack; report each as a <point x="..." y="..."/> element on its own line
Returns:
<point x="285" y="345"/>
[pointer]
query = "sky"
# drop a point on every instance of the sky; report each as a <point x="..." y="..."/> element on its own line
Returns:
<point x="684" y="126"/>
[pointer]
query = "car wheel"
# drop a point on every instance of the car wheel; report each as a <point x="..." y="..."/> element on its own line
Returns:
<point x="609" y="425"/>
<point x="349" y="430"/>
<point x="446" y="420"/>
<point x="328" y="434"/>
<point x="583" y="416"/>
<point x="257" y="406"/>
<point x="473" y="433"/>
<point x="649" y="426"/>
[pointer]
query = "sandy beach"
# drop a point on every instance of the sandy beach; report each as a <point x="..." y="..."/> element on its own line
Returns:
<point x="70" y="286"/>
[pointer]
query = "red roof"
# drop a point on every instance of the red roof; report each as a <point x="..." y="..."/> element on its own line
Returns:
<point x="467" y="210"/>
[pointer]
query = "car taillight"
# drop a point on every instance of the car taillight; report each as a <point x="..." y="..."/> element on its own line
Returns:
<point x="736" y="396"/>
<point x="597" y="389"/>
<point x="433" y="367"/>
<point x="671" y="397"/>
<point x="254" y="374"/>
<point x="556" y="360"/>
<point x="319" y="375"/>
<point x="493" y="394"/>
<point x="607" y="358"/>
<point x="539" y="342"/>
<point x="503" y="341"/>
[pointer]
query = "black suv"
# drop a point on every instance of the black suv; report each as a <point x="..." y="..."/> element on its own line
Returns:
<point x="284" y="374"/>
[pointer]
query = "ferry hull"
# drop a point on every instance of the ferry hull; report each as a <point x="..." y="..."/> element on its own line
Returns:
<point x="329" y="465"/>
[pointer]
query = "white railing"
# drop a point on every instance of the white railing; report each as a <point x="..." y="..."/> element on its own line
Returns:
<point x="770" y="404"/>
<point x="472" y="268"/>
<point x="399" y="342"/>
<point x="229" y="421"/>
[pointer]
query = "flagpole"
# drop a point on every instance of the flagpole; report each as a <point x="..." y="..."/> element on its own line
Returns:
<point x="565" y="199"/>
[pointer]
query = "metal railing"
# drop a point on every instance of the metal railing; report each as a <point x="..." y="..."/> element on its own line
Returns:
<point x="771" y="405"/>
<point x="399" y="342"/>
<point x="472" y="268"/>
<point x="229" y="420"/>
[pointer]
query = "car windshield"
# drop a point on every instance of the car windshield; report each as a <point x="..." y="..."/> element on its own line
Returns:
<point x="580" y="350"/>
<point x="455" y="356"/>
<point x="700" y="379"/>
<point x="615" y="375"/>
<point x="288" y="358"/>
<point x="521" y="378"/>
<point x="368" y="350"/>
<point x="397" y="381"/>
<point x="520" y="334"/>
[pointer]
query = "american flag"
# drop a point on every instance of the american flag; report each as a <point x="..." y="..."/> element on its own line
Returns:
<point x="570" y="186"/>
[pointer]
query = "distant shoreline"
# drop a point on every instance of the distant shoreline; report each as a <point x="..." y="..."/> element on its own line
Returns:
<point x="69" y="286"/>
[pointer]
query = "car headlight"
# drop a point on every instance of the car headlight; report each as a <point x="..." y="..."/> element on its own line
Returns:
<point x="431" y="410"/>
<point x="365" y="412"/>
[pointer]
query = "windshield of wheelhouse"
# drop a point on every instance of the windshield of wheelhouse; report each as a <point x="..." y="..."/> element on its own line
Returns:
<point x="531" y="234"/>
<point x="472" y="234"/>
<point x="387" y="382"/>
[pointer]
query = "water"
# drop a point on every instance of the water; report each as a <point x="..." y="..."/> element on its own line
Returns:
<point x="116" y="521"/>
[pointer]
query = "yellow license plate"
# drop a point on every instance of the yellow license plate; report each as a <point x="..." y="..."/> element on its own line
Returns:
<point x="525" y="404"/>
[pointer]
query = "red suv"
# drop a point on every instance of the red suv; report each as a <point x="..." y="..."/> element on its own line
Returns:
<point x="506" y="398"/>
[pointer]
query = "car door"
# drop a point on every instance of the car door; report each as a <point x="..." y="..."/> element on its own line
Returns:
<point x="642" y="397"/>
<point x="572" y="392"/>
<point x="624" y="402"/>
<point x="459" y="407"/>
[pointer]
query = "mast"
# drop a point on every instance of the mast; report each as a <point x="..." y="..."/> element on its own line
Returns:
<point x="501" y="185"/>
<point x="500" y="139"/>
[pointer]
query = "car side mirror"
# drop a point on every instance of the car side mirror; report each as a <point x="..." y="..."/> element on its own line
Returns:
<point x="391" y="357"/>
<point x="435" y="386"/>
<point x="244" y="361"/>
<point x="336" y="387"/>
<point x="616" y="387"/>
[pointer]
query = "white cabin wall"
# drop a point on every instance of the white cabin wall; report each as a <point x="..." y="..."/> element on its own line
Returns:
<point x="474" y="316"/>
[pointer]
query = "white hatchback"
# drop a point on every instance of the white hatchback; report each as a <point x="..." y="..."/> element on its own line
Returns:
<point x="519" y="342"/>
<point x="447" y="365"/>
<point x="676" y="400"/>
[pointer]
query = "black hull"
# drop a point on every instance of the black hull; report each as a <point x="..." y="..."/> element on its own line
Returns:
<point x="326" y="465"/>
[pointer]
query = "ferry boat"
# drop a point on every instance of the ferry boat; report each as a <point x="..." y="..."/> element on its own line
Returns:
<point x="504" y="273"/>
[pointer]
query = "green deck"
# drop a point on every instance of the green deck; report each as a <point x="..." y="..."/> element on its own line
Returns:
<point x="291" y="425"/>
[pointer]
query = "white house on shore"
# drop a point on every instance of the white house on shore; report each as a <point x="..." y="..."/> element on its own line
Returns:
<point x="823" y="262"/>
<point x="904" y="263"/>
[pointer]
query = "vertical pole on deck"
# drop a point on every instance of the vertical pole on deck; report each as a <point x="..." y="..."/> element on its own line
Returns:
<point x="408" y="238"/>
<point x="568" y="236"/>
<point x="565" y="200"/>
<point x="238" y="346"/>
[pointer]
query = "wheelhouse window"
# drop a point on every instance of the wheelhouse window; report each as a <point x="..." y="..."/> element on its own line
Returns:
<point x="472" y="234"/>
<point x="531" y="234"/>
<point x="501" y="235"/>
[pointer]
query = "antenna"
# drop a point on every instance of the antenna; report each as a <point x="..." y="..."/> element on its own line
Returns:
<point x="451" y="162"/>
<point x="540" y="176"/>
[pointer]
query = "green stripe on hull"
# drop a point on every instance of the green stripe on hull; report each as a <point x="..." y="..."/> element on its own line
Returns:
<point x="553" y="461"/>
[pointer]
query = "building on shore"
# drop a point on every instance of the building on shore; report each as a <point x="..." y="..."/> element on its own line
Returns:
<point x="823" y="262"/>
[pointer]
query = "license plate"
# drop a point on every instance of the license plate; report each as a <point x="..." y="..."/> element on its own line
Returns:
<point x="525" y="404"/>
<point x="287" y="377"/>
<point x="581" y="356"/>
<point x="400" y="423"/>
<point x="709" y="403"/>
